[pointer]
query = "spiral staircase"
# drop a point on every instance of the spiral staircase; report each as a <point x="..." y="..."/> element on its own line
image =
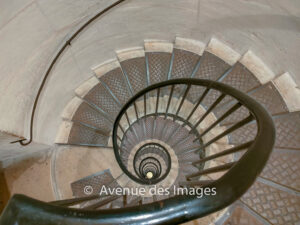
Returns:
<point x="180" y="115"/>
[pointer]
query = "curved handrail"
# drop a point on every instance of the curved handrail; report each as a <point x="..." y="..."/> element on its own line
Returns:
<point x="53" y="62"/>
<point x="177" y="209"/>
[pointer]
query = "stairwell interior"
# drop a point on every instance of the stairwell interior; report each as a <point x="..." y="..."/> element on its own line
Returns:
<point x="173" y="134"/>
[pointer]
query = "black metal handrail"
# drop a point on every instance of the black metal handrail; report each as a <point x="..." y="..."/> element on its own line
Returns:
<point x="178" y="209"/>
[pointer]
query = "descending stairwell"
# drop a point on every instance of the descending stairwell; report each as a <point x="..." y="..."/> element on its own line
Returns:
<point x="169" y="124"/>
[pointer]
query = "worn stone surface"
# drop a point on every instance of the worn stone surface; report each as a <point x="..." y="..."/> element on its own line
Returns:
<point x="12" y="153"/>
<point x="31" y="177"/>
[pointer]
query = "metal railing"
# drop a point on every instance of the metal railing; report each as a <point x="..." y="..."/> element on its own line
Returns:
<point x="178" y="209"/>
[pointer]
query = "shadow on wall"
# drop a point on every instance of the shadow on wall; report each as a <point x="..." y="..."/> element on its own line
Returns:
<point x="4" y="193"/>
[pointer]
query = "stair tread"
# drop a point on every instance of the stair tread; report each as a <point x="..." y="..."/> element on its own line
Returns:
<point x="116" y="82"/>
<point x="82" y="135"/>
<point x="184" y="63"/>
<point x="158" y="65"/>
<point x="241" y="216"/>
<point x="283" y="168"/>
<point x="267" y="95"/>
<point x="88" y="115"/>
<point x="241" y="78"/>
<point x="211" y="67"/>
<point x="135" y="70"/>
<point x="102" y="99"/>
<point x="261" y="196"/>
<point x="287" y="127"/>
